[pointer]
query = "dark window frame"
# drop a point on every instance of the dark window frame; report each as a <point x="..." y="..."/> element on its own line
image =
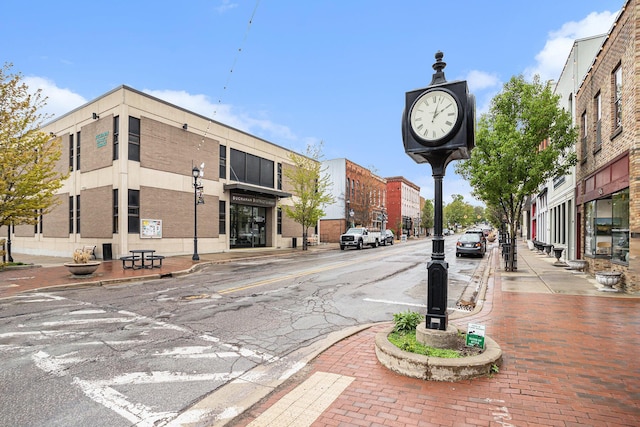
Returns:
<point x="115" y="225"/>
<point x="223" y="162"/>
<point x="222" y="217"/>
<point x="78" y="151"/>
<point x="133" y="211"/>
<point x="134" y="139"/>
<point x="116" y="136"/>
<point x="71" y="212"/>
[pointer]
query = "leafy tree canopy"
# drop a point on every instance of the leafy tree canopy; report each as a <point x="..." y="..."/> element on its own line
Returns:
<point x="458" y="212"/>
<point x="525" y="139"/>
<point x="28" y="176"/>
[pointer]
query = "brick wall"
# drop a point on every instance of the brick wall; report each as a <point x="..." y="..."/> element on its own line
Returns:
<point x="96" y="216"/>
<point x="619" y="49"/>
<point x="175" y="209"/>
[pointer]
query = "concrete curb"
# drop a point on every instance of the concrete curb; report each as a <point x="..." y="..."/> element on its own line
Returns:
<point x="437" y="368"/>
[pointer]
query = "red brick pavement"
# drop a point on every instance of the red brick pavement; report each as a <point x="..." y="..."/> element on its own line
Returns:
<point x="568" y="361"/>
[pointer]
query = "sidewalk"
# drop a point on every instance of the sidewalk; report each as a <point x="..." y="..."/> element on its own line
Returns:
<point x="569" y="359"/>
<point x="569" y="354"/>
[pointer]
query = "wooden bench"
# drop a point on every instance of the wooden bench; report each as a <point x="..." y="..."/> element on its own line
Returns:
<point x="153" y="259"/>
<point x="129" y="261"/>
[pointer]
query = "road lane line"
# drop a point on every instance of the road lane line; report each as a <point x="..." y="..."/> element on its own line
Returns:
<point x="384" y="301"/>
<point x="301" y="274"/>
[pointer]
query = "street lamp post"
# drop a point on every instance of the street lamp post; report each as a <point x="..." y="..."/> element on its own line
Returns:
<point x="196" y="173"/>
<point x="347" y="210"/>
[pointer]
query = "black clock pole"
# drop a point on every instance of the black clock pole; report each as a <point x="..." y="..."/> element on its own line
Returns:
<point x="423" y="146"/>
<point x="437" y="268"/>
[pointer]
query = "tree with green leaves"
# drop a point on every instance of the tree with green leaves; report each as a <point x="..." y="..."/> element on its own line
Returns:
<point x="525" y="139"/>
<point x="458" y="212"/>
<point x="427" y="219"/>
<point x="28" y="157"/>
<point x="311" y="187"/>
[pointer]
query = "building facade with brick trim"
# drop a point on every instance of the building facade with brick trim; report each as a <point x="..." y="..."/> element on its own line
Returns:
<point x="608" y="170"/>
<point x="359" y="199"/>
<point x="131" y="157"/>
<point x="549" y="216"/>
<point x="403" y="209"/>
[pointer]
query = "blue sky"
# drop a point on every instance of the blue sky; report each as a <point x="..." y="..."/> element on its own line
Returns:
<point x="296" y="72"/>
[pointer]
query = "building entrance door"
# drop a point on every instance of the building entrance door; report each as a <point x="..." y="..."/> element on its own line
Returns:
<point x="248" y="226"/>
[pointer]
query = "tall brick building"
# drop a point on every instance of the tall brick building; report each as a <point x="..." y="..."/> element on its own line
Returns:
<point x="131" y="158"/>
<point x="403" y="208"/>
<point x="608" y="170"/>
<point x="359" y="199"/>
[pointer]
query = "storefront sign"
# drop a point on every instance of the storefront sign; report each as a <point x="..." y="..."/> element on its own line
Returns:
<point x="247" y="199"/>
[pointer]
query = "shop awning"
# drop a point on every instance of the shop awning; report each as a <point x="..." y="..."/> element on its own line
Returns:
<point x="253" y="189"/>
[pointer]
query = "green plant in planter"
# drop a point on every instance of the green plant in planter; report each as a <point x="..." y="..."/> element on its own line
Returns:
<point x="407" y="321"/>
<point x="404" y="337"/>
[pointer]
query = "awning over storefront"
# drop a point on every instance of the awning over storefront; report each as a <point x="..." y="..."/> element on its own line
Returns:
<point x="252" y="189"/>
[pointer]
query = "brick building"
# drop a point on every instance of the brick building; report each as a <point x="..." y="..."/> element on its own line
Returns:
<point x="608" y="170"/>
<point x="403" y="206"/>
<point x="131" y="157"/>
<point x="359" y="199"/>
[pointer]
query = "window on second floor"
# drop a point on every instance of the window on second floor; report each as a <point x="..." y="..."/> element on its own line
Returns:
<point x="597" y="107"/>
<point x="78" y="151"/>
<point x="251" y="169"/>
<point x="134" y="139"/>
<point x="71" y="147"/>
<point x="223" y="162"/>
<point x="116" y="134"/>
<point x="583" y="136"/>
<point x="617" y="97"/>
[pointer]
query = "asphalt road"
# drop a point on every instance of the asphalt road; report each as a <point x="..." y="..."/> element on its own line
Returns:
<point x="197" y="349"/>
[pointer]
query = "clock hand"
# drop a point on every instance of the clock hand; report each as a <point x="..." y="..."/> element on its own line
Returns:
<point x="436" y="112"/>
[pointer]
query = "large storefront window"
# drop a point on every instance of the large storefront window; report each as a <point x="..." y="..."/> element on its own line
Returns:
<point x="607" y="227"/>
<point x="620" y="230"/>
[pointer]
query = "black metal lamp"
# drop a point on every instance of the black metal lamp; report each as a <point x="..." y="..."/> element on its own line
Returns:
<point x="195" y="172"/>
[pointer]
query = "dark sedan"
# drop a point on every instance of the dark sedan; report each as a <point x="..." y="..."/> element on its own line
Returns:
<point x="387" y="237"/>
<point x="470" y="244"/>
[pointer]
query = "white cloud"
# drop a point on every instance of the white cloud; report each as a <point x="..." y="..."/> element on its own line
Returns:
<point x="551" y="59"/>
<point x="226" y="5"/>
<point x="479" y="80"/>
<point x="59" y="101"/>
<point x="223" y="113"/>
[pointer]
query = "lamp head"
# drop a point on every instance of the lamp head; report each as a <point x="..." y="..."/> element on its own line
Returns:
<point x="195" y="172"/>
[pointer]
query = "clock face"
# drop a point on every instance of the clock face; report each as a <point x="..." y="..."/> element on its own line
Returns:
<point x="434" y="115"/>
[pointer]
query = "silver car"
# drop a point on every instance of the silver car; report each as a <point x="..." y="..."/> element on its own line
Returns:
<point x="387" y="237"/>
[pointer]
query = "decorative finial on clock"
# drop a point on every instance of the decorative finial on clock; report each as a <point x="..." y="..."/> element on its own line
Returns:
<point x="438" y="76"/>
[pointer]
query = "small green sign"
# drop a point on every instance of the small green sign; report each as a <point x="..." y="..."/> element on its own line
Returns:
<point x="101" y="139"/>
<point x="475" y="335"/>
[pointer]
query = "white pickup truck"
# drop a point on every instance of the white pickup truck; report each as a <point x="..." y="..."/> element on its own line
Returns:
<point x="359" y="237"/>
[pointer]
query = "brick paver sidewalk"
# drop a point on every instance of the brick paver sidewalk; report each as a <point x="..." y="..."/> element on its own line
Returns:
<point x="568" y="361"/>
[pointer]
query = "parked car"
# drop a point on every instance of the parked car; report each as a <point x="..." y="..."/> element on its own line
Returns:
<point x="480" y="233"/>
<point x="470" y="244"/>
<point x="446" y="232"/>
<point x="387" y="237"/>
